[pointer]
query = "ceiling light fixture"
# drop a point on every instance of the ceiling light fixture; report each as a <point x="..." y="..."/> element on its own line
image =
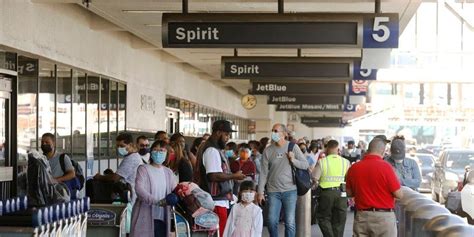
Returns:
<point x="148" y="11"/>
<point x="153" y="25"/>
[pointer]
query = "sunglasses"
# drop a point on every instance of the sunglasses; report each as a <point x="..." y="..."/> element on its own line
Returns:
<point x="275" y="131"/>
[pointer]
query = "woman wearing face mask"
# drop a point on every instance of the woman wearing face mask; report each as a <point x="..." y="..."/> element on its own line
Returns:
<point x="246" y="218"/>
<point x="180" y="163"/>
<point x="154" y="181"/>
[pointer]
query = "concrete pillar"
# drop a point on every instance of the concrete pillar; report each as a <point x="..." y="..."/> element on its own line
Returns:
<point x="303" y="215"/>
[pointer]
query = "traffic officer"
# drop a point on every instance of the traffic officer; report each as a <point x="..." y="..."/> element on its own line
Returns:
<point x="330" y="172"/>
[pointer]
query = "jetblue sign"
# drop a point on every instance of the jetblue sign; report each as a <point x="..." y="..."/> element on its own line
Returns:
<point x="302" y="99"/>
<point x="298" y="68"/>
<point x="310" y="107"/>
<point x="271" y="30"/>
<point x="280" y="88"/>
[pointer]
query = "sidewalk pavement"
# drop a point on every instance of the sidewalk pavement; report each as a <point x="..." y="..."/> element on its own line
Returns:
<point x="315" y="231"/>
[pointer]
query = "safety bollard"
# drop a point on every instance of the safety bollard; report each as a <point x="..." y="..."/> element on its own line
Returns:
<point x="457" y="231"/>
<point x="423" y="215"/>
<point x="402" y="215"/>
<point x="409" y="211"/>
<point x="303" y="215"/>
<point x="440" y="223"/>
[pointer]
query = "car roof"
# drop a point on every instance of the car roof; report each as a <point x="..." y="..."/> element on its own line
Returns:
<point x="459" y="150"/>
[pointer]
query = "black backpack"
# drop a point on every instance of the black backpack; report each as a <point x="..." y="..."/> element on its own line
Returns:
<point x="301" y="177"/>
<point x="77" y="169"/>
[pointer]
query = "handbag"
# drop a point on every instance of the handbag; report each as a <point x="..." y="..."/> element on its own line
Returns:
<point x="301" y="177"/>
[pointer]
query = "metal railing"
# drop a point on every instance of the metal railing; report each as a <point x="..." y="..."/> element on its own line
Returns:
<point x="419" y="216"/>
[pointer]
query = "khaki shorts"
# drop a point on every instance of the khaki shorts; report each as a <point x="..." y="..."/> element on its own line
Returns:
<point x="374" y="224"/>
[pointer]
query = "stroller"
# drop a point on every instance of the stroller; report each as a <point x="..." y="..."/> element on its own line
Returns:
<point x="192" y="211"/>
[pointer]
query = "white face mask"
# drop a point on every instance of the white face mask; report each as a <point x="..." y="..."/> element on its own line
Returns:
<point x="248" y="196"/>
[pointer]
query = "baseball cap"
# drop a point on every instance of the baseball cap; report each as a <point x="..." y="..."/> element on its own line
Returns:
<point x="397" y="149"/>
<point x="383" y="137"/>
<point x="222" y="125"/>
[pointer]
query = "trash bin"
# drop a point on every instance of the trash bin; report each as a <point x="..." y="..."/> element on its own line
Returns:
<point x="106" y="220"/>
<point x="423" y="215"/>
<point x="409" y="210"/>
<point x="457" y="231"/>
<point x="440" y="223"/>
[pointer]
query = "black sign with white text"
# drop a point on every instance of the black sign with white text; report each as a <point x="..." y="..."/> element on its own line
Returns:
<point x="310" y="107"/>
<point x="306" y="68"/>
<point x="281" y="88"/>
<point x="272" y="30"/>
<point x="304" y="99"/>
<point x="321" y="120"/>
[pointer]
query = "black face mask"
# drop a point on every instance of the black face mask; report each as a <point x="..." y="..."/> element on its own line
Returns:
<point x="46" y="148"/>
<point x="143" y="151"/>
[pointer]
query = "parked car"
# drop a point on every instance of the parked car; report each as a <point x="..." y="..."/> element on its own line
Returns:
<point x="426" y="163"/>
<point x="449" y="172"/>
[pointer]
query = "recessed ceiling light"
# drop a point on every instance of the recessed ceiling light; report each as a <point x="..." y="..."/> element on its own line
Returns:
<point x="153" y="25"/>
<point x="142" y="11"/>
<point x="147" y="11"/>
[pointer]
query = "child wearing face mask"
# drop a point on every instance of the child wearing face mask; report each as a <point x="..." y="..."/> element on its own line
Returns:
<point x="153" y="182"/>
<point x="245" y="219"/>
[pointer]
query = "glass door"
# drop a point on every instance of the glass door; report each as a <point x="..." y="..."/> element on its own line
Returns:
<point x="6" y="169"/>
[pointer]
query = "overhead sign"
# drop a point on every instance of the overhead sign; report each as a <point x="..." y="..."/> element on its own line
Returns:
<point x="350" y="108"/>
<point x="358" y="87"/>
<point x="302" y="99"/>
<point x="363" y="74"/>
<point x="306" y="68"/>
<point x="321" y="120"/>
<point x="272" y="30"/>
<point x="310" y="107"/>
<point x="325" y="125"/>
<point x="381" y="31"/>
<point x="281" y="88"/>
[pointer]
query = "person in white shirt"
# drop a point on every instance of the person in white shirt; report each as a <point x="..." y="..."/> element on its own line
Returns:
<point x="351" y="153"/>
<point x="213" y="172"/>
<point x="245" y="219"/>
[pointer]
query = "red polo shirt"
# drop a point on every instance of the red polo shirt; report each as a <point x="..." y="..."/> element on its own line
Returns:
<point x="372" y="182"/>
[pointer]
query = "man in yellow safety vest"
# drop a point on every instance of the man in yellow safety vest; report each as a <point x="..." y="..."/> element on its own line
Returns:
<point x="330" y="173"/>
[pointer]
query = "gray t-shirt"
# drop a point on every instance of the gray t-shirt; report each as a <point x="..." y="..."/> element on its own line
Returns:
<point x="56" y="169"/>
<point x="128" y="170"/>
<point x="276" y="169"/>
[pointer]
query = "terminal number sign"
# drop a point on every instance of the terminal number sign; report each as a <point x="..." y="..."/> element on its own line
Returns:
<point x="271" y="30"/>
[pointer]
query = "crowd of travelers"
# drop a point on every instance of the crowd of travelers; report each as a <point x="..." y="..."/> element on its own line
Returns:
<point x="253" y="184"/>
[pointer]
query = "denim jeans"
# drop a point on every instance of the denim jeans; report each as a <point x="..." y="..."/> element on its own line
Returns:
<point x="275" y="202"/>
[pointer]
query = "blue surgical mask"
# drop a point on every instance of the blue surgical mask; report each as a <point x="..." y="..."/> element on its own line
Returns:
<point x="158" y="157"/>
<point x="229" y="154"/>
<point x="275" y="137"/>
<point x="122" y="151"/>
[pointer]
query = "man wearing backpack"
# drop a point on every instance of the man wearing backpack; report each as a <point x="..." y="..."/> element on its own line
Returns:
<point x="276" y="179"/>
<point x="62" y="168"/>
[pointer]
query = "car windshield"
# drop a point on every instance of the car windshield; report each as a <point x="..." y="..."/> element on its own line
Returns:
<point x="426" y="161"/>
<point x="460" y="160"/>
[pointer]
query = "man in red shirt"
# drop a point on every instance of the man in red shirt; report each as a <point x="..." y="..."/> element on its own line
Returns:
<point x="374" y="185"/>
